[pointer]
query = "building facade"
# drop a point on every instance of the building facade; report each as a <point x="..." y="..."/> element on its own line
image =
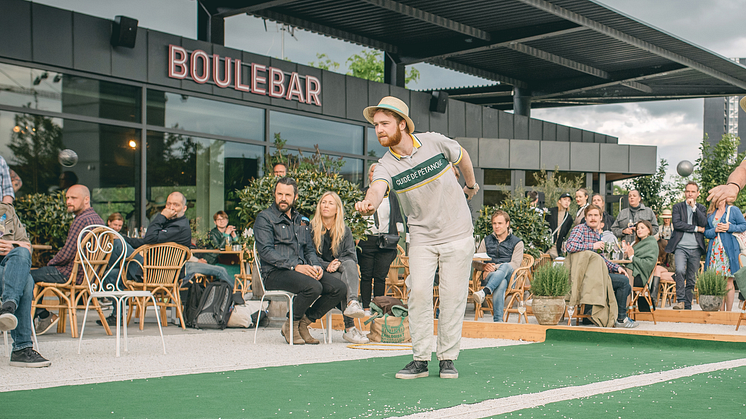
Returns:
<point x="723" y="115"/>
<point x="174" y="113"/>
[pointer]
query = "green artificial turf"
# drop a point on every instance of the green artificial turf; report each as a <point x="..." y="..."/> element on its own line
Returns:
<point x="367" y="388"/>
<point x="718" y="394"/>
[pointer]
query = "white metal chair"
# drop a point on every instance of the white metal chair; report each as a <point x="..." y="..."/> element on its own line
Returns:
<point x="257" y="284"/>
<point x="92" y="242"/>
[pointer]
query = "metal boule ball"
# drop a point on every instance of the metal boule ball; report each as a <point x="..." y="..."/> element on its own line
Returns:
<point x="684" y="168"/>
<point x="68" y="158"/>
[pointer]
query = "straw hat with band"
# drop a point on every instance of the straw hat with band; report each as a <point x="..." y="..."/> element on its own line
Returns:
<point x="667" y="214"/>
<point x="743" y="103"/>
<point x="394" y="105"/>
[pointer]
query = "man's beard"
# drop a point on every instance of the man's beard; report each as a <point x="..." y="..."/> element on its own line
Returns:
<point x="393" y="141"/>
<point x="284" y="206"/>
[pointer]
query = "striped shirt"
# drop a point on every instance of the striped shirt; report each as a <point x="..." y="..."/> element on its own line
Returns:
<point x="65" y="258"/>
<point x="582" y="238"/>
<point x="6" y="185"/>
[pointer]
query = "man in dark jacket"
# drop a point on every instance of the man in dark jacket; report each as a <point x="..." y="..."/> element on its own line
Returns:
<point x="289" y="263"/>
<point x="560" y="222"/>
<point x="687" y="244"/>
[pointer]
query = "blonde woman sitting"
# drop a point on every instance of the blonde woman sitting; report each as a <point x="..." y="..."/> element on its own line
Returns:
<point x="335" y="248"/>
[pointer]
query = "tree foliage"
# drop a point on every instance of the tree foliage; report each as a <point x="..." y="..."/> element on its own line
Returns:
<point x="367" y="65"/>
<point x="557" y="184"/>
<point x="657" y="193"/>
<point x="716" y="163"/>
<point x="526" y="222"/>
<point x="46" y="219"/>
<point x="551" y="281"/>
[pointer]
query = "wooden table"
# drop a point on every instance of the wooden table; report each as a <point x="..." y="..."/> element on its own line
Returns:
<point x="243" y="278"/>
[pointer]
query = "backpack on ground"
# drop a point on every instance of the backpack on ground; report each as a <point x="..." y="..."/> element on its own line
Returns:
<point x="193" y="298"/>
<point x="215" y="306"/>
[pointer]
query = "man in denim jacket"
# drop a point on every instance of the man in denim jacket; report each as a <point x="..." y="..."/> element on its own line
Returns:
<point x="289" y="263"/>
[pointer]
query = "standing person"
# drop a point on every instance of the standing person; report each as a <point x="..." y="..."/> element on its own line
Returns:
<point x="666" y="230"/>
<point x="289" y="263"/>
<point x="279" y="169"/>
<point x="624" y="226"/>
<point x="506" y="255"/>
<point x="606" y="218"/>
<point x="687" y="243"/>
<point x="581" y="198"/>
<point x="58" y="270"/>
<point x="373" y="259"/>
<point x="417" y="168"/>
<point x="335" y="249"/>
<point x="722" y="252"/>
<point x="560" y="223"/>
<point x="115" y="222"/>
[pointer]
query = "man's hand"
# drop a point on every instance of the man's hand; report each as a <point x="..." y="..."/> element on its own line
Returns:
<point x="7" y="199"/>
<point x="727" y="192"/>
<point x="598" y="245"/>
<point x="230" y="230"/>
<point x="168" y="213"/>
<point x="7" y="245"/>
<point x="629" y="230"/>
<point x="471" y="192"/>
<point x="623" y="272"/>
<point x="490" y="267"/>
<point x="201" y="260"/>
<point x="722" y="227"/>
<point x="365" y="207"/>
<point x="333" y="265"/>
<point x="314" y="272"/>
<point x="700" y="229"/>
<point x="691" y="203"/>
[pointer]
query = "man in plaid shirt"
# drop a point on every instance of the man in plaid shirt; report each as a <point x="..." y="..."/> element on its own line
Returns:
<point x="587" y="236"/>
<point x="58" y="270"/>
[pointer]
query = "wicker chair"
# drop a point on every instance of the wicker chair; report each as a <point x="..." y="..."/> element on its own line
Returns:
<point x="643" y="292"/>
<point x="161" y="266"/>
<point x="395" y="281"/>
<point x="519" y="280"/>
<point x="70" y="295"/>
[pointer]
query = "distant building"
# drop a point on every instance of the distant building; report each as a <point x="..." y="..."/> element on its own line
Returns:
<point x="723" y="115"/>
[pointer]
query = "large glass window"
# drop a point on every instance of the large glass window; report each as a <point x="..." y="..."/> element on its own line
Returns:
<point x="206" y="171"/>
<point x="189" y="113"/>
<point x="108" y="160"/>
<point x="351" y="170"/>
<point x="497" y="177"/>
<point x="375" y="149"/>
<point x="58" y="92"/>
<point x="307" y="132"/>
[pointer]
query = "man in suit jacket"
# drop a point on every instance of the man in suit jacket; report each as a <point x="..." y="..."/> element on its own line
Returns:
<point x="687" y="244"/>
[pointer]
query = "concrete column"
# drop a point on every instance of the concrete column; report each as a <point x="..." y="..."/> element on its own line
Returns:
<point x="589" y="181"/>
<point x="602" y="184"/>
<point x="521" y="102"/>
<point x="393" y="71"/>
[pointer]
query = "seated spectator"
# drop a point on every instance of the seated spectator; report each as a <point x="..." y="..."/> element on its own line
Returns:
<point x="624" y="225"/>
<point x="17" y="290"/>
<point x="581" y="198"/>
<point x="335" y="249"/>
<point x="560" y="223"/>
<point x="666" y="262"/>
<point x="644" y="256"/>
<point x="606" y="219"/>
<point x="289" y="263"/>
<point x="506" y="253"/>
<point x="279" y="169"/>
<point x="223" y="235"/>
<point x="115" y="222"/>
<point x="587" y="236"/>
<point x="373" y="260"/>
<point x="58" y="270"/>
<point x="666" y="230"/>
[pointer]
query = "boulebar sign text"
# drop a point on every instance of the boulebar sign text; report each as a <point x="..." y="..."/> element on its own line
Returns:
<point x="227" y="72"/>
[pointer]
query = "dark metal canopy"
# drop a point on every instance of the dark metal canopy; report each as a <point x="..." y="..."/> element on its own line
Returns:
<point x="554" y="53"/>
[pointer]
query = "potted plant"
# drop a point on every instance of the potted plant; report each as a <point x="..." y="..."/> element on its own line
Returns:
<point x="550" y="285"/>
<point x="712" y="289"/>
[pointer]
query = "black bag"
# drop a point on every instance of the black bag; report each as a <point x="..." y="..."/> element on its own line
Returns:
<point x="263" y="321"/>
<point x="215" y="306"/>
<point x="388" y="241"/>
<point x="194" y="297"/>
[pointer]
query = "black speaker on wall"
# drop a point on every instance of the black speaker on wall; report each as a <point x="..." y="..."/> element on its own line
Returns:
<point x="124" y="32"/>
<point x="439" y="102"/>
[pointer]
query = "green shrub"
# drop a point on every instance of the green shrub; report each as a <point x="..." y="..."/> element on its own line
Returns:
<point x="311" y="185"/>
<point x="526" y="223"/>
<point x="551" y="281"/>
<point x="47" y="221"/>
<point x="711" y="283"/>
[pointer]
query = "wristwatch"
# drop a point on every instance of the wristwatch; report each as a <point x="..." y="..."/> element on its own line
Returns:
<point x="476" y="185"/>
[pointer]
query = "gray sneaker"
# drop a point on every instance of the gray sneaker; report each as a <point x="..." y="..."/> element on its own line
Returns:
<point x="355" y="336"/>
<point x="447" y="369"/>
<point x="354" y="310"/>
<point x="415" y="369"/>
<point x="45" y="325"/>
<point x="8" y="320"/>
<point x="626" y="323"/>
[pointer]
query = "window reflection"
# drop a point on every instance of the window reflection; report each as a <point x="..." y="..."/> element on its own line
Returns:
<point x="206" y="171"/>
<point x="57" y="92"/>
<point x="375" y="149"/>
<point x="172" y="110"/>
<point x="307" y="132"/>
<point x="352" y="169"/>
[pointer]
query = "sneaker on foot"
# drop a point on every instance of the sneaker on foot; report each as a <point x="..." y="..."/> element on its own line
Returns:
<point x="111" y="321"/>
<point x="8" y="319"/>
<point x="479" y="296"/>
<point x="355" y="336"/>
<point x="447" y="369"/>
<point x="678" y="306"/>
<point x="45" y="325"/>
<point x="354" y="310"/>
<point x="627" y="323"/>
<point x="415" y="369"/>
<point x="28" y="358"/>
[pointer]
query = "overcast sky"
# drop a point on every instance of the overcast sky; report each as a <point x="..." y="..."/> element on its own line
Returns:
<point x="674" y="126"/>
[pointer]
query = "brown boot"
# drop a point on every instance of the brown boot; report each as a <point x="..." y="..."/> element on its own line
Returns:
<point x="285" y="330"/>
<point x="304" y="333"/>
